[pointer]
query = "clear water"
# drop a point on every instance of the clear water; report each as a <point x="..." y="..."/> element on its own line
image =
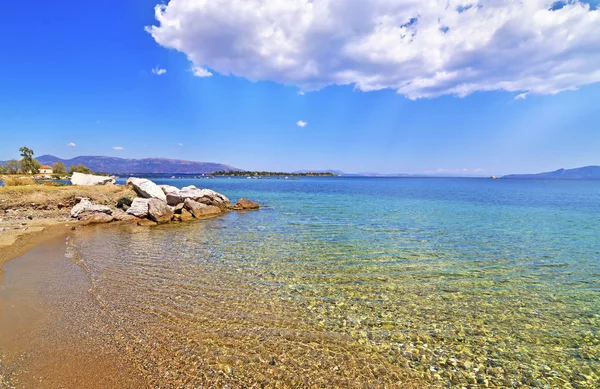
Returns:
<point x="362" y="282"/>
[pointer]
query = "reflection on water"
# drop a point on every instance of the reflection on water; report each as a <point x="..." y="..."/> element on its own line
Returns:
<point x="354" y="284"/>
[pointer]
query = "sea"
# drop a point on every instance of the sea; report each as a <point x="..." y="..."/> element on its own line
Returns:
<point x="358" y="282"/>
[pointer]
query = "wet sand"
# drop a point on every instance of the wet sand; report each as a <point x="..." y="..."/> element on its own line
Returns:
<point x="53" y="333"/>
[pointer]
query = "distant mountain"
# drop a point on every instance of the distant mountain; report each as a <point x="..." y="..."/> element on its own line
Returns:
<point x="137" y="166"/>
<point x="580" y="173"/>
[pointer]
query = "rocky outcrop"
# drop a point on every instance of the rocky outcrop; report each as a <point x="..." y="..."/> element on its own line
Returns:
<point x="245" y="204"/>
<point x="147" y="189"/>
<point x="159" y="211"/>
<point x="204" y="196"/>
<point x="200" y="210"/>
<point x="86" y="206"/>
<point x="81" y="179"/>
<point x="139" y="207"/>
<point x="96" y="218"/>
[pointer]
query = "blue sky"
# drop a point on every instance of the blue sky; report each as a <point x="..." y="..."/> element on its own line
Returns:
<point x="80" y="73"/>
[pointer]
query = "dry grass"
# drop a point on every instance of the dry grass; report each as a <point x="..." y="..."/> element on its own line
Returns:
<point x="44" y="196"/>
<point x="17" y="181"/>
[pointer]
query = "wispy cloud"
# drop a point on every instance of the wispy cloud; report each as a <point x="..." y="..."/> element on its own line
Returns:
<point x="199" y="71"/>
<point x="180" y="144"/>
<point x="521" y="96"/>
<point x="71" y="144"/>
<point x="301" y="92"/>
<point x="158" y="71"/>
<point x="301" y="123"/>
<point x="118" y="148"/>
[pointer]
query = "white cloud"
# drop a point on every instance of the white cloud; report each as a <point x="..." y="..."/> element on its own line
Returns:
<point x="71" y="144"/>
<point x="118" y="148"/>
<point x="199" y="71"/>
<point x="521" y="96"/>
<point x="301" y="123"/>
<point x="301" y="93"/>
<point x="421" y="48"/>
<point x="180" y="144"/>
<point x="158" y="71"/>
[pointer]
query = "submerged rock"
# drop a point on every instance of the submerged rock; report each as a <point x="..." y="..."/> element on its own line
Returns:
<point x="200" y="210"/>
<point x="139" y="207"/>
<point x="86" y="206"/>
<point x="245" y="204"/>
<point x="81" y="179"/>
<point x="159" y="211"/>
<point x="147" y="189"/>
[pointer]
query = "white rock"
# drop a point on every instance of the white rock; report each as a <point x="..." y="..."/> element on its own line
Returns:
<point x="147" y="189"/>
<point x="139" y="207"/>
<point x="81" y="179"/>
<point x="205" y="196"/>
<point x="168" y="189"/>
<point x="85" y="205"/>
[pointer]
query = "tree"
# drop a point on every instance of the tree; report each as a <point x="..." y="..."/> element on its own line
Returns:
<point x="28" y="164"/>
<point x="2" y="169"/>
<point x="13" y="166"/>
<point x="59" y="168"/>
<point x="79" y="169"/>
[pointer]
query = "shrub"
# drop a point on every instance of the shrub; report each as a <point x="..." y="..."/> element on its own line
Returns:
<point x="18" y="181"/>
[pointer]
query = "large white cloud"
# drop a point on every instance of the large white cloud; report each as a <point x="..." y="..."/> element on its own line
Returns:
<point x="421" y="48"/>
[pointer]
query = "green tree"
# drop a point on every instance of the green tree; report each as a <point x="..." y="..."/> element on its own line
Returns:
<point x="79" y="169"/>
<point x="13" y="166"/>
<point x="2" y="169"/>
<point x="28" y="164"/>
<point x="59" y="168"/>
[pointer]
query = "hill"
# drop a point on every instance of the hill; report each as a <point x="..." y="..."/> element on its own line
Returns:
<point x="581" y="173"/>
<point x="147" y="165"/>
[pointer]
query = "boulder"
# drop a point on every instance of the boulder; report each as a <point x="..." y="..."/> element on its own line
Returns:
<point x="245" y="204"/>
<point x="201" y="211"/>
<point x="139" y="207"/>
<point x="86" y="206"/>
<point x="120" y="215"/>
<point x="205" y="196"/>
<point x="185" y="215"/>
<point x="147" y="189"/>
<point x="168" y="189"/>
<point x="96" y="218"/>
<point x="81" y="179"/>
<point x="146" y="223"/>
<point x="178" y="208"/>
<point x="159" y="211"/>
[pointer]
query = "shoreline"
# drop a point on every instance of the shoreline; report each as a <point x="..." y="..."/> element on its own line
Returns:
<point x="17" y="243"/>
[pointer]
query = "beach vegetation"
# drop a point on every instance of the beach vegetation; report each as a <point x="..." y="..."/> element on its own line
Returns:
<point x="79" y="169"/>
<point x="12" y="167"/>
<point x="59" y="168"/>
<point x="18" y="181"/>
<point x="28" y="164"/>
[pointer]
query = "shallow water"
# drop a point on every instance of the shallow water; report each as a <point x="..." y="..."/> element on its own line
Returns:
<point x="362" y="282"/>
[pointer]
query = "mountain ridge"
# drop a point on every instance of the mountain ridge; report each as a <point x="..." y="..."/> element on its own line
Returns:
<point x="117" y="165"/>
<point x="581" y="173"/>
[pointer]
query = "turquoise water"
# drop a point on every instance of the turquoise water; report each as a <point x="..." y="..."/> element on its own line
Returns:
<point x="359" y="282"/>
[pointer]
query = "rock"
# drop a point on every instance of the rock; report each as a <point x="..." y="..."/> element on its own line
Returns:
<point x="201" y="211"/>
<point x="146" y="223"/>
<point x="120" y="215"/>
<point x="146" y="188"/>
<point x="159" y="211"/>
<point x="178" y="208"/>
<point x="90" y="179"/>
<point x="139" y="207"/>
<point x="124" y="203"/>
<point x="185" y="215"/>
<point x="85" y="205"/>
<point x="168" y="189"/>
<point x="245" y="204"/>
<point x="96" y="218"/>
<point x="205" y="196"/>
